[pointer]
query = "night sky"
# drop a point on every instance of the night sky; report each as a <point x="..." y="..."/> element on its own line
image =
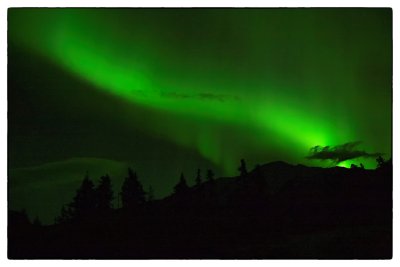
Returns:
<point x="171" y="90"/>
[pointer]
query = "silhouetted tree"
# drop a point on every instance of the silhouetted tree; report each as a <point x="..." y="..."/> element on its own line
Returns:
<point x="380" y="161"/>
<point x="353" y="166"/>
<point x="24" y="215"/>
<point x="150" y="194"/>
<point x="65" y="215"/>
<point x="181" y="187"/>
<point x="257" y="170"/>
<point x="104" y="194"/>
<point x="198" y="177"/>
<point x="210" y="175"/>
<point x="37" y="222"/>
<point x="84" y="202"/>
<point x="242" y="169"/>
<point x="362" y="166"/>
<point x="132" y="194"/>
<point x="18" y="218"/>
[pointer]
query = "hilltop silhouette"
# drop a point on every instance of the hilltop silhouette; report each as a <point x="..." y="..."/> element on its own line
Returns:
<point x="275" y="210"/>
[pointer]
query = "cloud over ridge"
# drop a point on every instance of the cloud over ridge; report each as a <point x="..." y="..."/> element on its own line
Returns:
<point x="340" y="153"/>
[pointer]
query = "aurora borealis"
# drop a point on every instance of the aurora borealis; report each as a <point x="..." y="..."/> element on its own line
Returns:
<point x="171" y="90"/>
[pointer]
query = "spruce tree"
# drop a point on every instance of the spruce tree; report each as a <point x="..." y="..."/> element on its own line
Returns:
<point x="104" y="194"/>
<point x="150" y="194"/>
<point x="242" y="169"/>
<point x="132" y="193"/>
<point x="198" y="178"/>
<point x="84" y="202"/>
<point x="210" y="175"/>
<point x="181" y="187"/>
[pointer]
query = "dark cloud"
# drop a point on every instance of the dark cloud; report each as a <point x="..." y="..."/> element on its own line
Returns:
<point x="219" y="97"/>
<point x="175" y="95"/>
<point x="201" y="96"/>
<point x="340" y="153"/>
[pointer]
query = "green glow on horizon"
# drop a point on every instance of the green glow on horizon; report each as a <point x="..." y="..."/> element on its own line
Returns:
<point x="131" y="70"/>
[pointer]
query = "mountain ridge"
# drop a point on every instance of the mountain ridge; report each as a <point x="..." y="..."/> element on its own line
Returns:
<point x="277" y="210"/>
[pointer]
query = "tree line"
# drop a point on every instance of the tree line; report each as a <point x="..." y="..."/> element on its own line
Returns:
<point x="91" y="200"/>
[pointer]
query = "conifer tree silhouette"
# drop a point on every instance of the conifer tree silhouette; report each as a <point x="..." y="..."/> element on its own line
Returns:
<point x="132" y="194"/>
<point x="181" y="187"/>
<point x="198" y="177"/>
<point x="242" y="169"/>
<point x="66" y="215"/>
<point x="84" y="202"/>
<point x="104" y="194"/>
<point x="380" y="161"/>
<point x="210" y="175"/>
<point x="150" y="194"/>
<point x="37" y="222"/>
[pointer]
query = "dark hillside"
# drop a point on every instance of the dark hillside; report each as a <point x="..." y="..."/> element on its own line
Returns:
<point x="275" y="211"/>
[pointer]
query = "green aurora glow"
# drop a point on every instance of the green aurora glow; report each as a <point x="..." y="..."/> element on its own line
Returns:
<point x="264" y="84"/>
<point x="141" y="59"/>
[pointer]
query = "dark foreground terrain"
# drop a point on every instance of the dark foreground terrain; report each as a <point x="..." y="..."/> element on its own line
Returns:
<point x="275" y="211"/>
